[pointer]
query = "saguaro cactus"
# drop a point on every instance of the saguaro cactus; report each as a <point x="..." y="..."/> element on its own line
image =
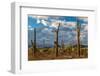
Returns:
<point x="34" y="40"/>
<point x="78" y="36"/>
<point x="57" y="42"/>
<point x="34" y="44"/>
<point x="56" y="39"/>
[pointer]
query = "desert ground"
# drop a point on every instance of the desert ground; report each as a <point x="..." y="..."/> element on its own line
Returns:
<point x="50" y="53"/>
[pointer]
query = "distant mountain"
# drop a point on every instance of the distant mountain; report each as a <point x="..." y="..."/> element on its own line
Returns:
<point x="82" y="46"/>
<point x="51" y="46"/>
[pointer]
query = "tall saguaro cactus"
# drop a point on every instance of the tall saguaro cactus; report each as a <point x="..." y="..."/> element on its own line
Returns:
<point x="56" y="40"/>
<point x="34" y="40"/>
<point x="78" y="36"/>
<point x="34" y="44"/>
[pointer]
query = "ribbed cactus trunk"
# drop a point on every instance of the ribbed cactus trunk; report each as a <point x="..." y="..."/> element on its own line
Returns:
<point x="32" y="47"/>
<point x="34" y="40"/>
<point x="57" y="43"/>
<point x="78" y="37"/>
<point x="57" y="40"/>
<point x="34" y="44"/>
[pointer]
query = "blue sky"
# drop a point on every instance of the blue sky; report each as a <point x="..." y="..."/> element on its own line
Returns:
<point x="46" y="24"/>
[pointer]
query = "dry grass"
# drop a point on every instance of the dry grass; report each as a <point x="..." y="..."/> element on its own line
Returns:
<point x="50" y="54"/>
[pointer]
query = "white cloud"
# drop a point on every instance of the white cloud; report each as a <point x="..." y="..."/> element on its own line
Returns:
<point x="55" y="23"/>
<point x="38" y="21"/>
<point x="30" y="28"/>
<point x="47" y="30"/>
<point x="85" y="19"/>
<point x="83" y="35"/>
<point x="41" y="19"/>
<point x="71" y="24"/>
<point x="84" y="28"/>
<point x="63" y="23"/>
<point x="44" y="22"/>
<point x="83" y="24"/>
<point x="68" y="35"/>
